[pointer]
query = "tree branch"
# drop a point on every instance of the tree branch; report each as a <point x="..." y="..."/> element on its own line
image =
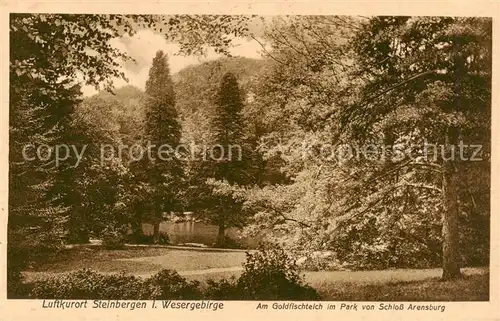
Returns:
<point x="279" y="213"/>
<point x="296" y="221"/>
<point x="267" y="52"/>
<point x="429" y="187"/>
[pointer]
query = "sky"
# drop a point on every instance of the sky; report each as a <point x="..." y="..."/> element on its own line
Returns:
<point x="143" y="47"/>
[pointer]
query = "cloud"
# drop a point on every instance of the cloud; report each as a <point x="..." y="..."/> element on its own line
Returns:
<point x="246" y="48"/>
<point x="143" y="47"/>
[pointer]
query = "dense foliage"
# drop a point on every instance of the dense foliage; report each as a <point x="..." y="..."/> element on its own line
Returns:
<point x="86" y="284"/>
<point x="271" y="274"/>
<point x="302" y="117"/>
<point x="50" y="55"/>
<point x="336" y="85"/>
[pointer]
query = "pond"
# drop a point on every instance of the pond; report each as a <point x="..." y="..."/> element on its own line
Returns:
<point x="191" y="231"/>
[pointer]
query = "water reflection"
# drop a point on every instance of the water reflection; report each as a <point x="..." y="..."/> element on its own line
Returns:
<point x="191" y="231"/>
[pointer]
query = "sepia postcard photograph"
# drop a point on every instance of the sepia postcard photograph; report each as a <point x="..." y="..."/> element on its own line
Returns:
<point x="298" y="162"/>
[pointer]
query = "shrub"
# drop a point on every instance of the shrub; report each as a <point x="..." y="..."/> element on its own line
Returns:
<point x="163" y="239"/>
<point x="147" y="239"/>
<point x="25" y="250"/>
<point x="113" y="238"/>
<point x="270" y="274"/>
<point x="318" y="261"/>
<point x="122" y="287"/>
<point x="86" y="284"/>
<point x="222" y="289"/>
<point x="230" y="243"/>
<point x="16" y="262"/>
<point x="138" y="238"/>
<point x="168" y="284"/>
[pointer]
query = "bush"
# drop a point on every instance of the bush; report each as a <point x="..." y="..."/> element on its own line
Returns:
<point x="163" y="239"/>
<point x="229" y="243"/>
<point x="270" y="274"/>
<point x="113" y="238"/>
<point x="86" y="284"/>
<point x="168" y="284"/>
<point x="139" y="238"/>
<point x="24" y="251"/>
<point x="222" y="289"/>
<point x="16" y="262"/>
<point x="147" y="239"/>
<point x="318" y="261"/>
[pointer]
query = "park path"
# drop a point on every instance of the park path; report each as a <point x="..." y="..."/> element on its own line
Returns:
<point x="213" y="270"/>
<point x="313" y="277"/>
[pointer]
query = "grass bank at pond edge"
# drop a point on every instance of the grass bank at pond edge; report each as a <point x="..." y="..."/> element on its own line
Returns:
<point x="470" y="288"/>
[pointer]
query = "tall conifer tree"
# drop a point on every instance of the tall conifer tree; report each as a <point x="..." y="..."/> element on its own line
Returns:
<point x="231" y="165"/>
<point x="162" y="128"/>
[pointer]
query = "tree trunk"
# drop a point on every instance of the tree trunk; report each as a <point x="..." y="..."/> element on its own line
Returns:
<point x="451" y="251"/>
<point x="156" y="226"/>
<point x="78" y="227"/>
<point x="137" y="224"/>
<point x="84" y="235"/>
<point x="136" y="230"/>
<point x="78" y="236"/>
<point x="221" y="236"/>
<point x="156" y="232"/>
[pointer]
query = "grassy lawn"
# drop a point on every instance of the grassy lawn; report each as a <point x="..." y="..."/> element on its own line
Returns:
<point x="389" y="285"/>
<point x="470" y="288"/>
<point x="140" y="260"/>
<point x="386" y="285"/>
